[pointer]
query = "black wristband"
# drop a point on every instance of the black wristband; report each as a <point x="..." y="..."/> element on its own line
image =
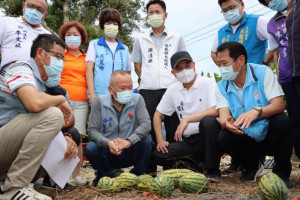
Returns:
<point x="264" y="63"/>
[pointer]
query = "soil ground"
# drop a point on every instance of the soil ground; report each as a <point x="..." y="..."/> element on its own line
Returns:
<point x="230" y="187"/>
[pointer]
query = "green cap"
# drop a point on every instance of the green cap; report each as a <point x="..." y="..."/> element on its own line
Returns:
<point x="179" y="56"/>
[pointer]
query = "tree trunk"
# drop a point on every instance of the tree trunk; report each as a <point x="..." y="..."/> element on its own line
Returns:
<point x="66" y="6"/>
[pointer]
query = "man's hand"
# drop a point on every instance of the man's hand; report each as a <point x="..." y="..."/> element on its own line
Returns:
<point x="180" y="129"/>
<point x="122" y="144"/>
<point x="72" y="150"/>
<point x="162" y="146"/>
<point x="246" y="119"/>
<point x="231" y="127"/>
<point x="91" y="98"/>
<point x="66" y="110"/>
<point x="113" y="148"/>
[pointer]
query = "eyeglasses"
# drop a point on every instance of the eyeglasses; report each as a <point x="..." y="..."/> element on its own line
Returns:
<point x="229" y="8"/>
<point x="57" y="55"/>
<point x="184" y="66"/>
<point x="39" y="9"/>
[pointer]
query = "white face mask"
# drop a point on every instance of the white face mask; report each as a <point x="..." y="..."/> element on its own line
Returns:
<point x="156" y="20"/>
<point x="186" y="75"/>
<point x="227" y="72"/>
<point x="111" y="30"/>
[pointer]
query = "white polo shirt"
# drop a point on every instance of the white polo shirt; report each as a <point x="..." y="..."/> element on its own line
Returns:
<point x="16" y="39"/>
<point x="200" y="97"/>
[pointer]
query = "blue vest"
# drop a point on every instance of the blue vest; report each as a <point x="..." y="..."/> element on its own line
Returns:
<point x="10" y="105"/>
<point x="253" y="96"/>
<point x="106" y="63"/>
<point x="246" y="35"/>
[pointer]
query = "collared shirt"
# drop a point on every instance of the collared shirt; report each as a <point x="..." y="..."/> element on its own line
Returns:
<point x="200" y="97"/>
<point x="136" y="55"/>
<point x="16" y="38"/>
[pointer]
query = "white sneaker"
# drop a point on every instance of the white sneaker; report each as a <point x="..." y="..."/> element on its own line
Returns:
<point x="77" y="181"/>
<point x="25" y="193"/>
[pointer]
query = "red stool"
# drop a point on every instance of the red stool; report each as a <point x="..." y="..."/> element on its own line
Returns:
<point x="84" y="158"/>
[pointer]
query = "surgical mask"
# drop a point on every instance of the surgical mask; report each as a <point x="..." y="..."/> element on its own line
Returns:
<point x="156" y="20"/>
<point x="73" y="42"/>
<point x="111" y="30"/>
<point x="32" y="16"/>
<point x="124" y="97"/>
<point x="52" y="81"/>
<point x="186" y="75"/>
<point x="278" y="5"/>
<point x="227" y="72"/>
<point x="232" y="16"/>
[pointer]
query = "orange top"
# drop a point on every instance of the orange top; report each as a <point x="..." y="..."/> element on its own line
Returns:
<point x="73" y="77"/>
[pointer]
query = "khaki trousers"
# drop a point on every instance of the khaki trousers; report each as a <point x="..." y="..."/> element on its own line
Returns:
<point x="23" y="144"/>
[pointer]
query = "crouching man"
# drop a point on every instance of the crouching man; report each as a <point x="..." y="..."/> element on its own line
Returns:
<point x="119" y="129"/>
<point x="30" y="118"/>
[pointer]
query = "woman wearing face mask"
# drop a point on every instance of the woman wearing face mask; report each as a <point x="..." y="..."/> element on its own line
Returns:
<point x="106" y="54"/>
<point x="73" y="79"/>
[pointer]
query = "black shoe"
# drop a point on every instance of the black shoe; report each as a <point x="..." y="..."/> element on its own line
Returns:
<point x="251" y="175"/>
<point x="96" y="180"/>
<point x="287" y="182"/>
<point x="213" y="176"/>
<point x="47" y="185"/>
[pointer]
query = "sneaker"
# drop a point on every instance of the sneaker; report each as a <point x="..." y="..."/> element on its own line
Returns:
<point x="117" y="172"/>
<point x="78" y="181"/>
<point x="251" y="175"/>
<point x="269" y="164"/>
<point x="95" y="181"/>
<point x="27" y="193"/>
<point x="213" y="176"/>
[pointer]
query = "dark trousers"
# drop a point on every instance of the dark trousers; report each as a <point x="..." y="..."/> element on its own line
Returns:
<point x="152" y="99"/>
<point x="199" y="147"/>
<point x="104" y="162"/>
<point x="293" y="108"/>
<point x="278" y="142"/>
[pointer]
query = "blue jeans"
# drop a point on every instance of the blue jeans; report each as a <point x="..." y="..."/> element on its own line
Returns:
<point x="104" y="162"/>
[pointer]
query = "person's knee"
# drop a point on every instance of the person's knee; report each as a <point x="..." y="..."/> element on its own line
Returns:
<point x="223" y="140"/>
<point x="54" y="117"/>
<point x="74" y="133"/>
<point x="91" y="150"/>
<point x="209" y="121"/>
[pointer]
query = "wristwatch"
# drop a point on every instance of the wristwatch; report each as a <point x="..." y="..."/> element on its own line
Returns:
<point x="259" y="109"/>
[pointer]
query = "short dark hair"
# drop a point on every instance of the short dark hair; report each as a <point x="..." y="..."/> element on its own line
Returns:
<point x="160" y="2"/>
<point x="45" y="41"/>
<point x="109" y="14"/>
<point x="263" y="2"/>
<point x="236" y="49"/>
<point x="66" y="26"/>
<point x="223" y="1"/>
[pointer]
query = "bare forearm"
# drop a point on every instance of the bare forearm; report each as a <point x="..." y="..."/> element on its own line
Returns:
<point x="157" y="120"/>
<point x="138" y="69"/>
<point x="214" y="57"/>
<point x="90" y="77"/>
<point x="273" y="109"/>
<point x="198" y="116"/>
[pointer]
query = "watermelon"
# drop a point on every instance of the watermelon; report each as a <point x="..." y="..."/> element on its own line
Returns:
<point x="108" y="185"/>
<point x="272" y="187"/>
<point x="161" y="185"/>
<point x="127" y="180"/>
<point x="143" y="182"/>
<point x="193" y="183"/>
<point x="175" y="174"/>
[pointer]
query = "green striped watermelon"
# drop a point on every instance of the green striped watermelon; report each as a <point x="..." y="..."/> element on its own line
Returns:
<point x="143" y="182"/>
<point x="175" y="174"/>
<point x="127" y="180"/>
<point x="272" y="187"/>
<point x="161" y="185"/>
<point x="108" y="185"/>
<point x="193" y="183"/>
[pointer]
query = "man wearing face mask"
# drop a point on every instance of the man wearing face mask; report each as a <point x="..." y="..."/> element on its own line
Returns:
<point x="118" y="129"/>
<point x="151" y="56"/>
<point x="30" y="118"/>
<point x="17" y="34"/>
<point x="248" y="29"/>
<point x="251" y="106"/>
<point x="193" y="100"/>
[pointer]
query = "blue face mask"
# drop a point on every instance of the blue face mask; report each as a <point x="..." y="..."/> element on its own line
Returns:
<point x="32" y="16"/>
<point x="278" y="5"/>
<point x="232" y="16"/>
<point x="227" y="73"/>
<point x="56" y="66"/>
<point x="52" y="81"/>
<point x="73" y="42"/>
<point x="124" y="97"/>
